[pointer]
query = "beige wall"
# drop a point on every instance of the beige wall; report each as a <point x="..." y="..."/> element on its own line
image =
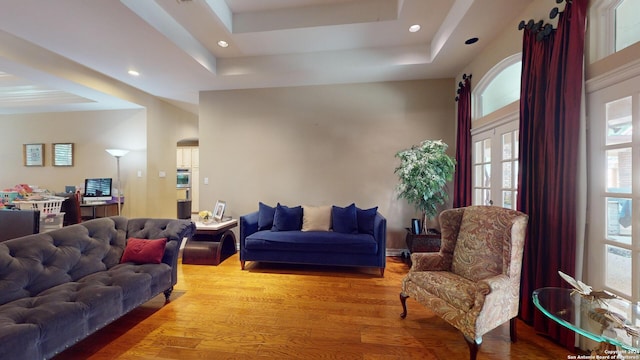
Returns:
<point x="165" y="127"/>
<point x="151" y="137"/>
<point x="150" y="132"/>
<point x="91" y="132"/>
<point x="319" y="145"/>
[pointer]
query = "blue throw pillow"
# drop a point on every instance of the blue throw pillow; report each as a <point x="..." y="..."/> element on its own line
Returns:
<point x="265" y="216"/>
<point x="287" y="218"/>
<point x="344" y="220"/>
<point x="366" y="220"/>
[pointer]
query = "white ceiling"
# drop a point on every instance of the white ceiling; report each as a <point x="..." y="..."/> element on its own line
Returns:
<point x="173" y="44"/>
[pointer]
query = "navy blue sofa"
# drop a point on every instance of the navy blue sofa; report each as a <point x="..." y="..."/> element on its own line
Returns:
<point x="313" y="247"/>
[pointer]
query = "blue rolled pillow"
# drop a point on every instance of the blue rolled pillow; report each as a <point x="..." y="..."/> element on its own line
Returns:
<point x="366" y="220"/>
<point x="265" y="216"/>
<point x="344" y="219"/>
<point x="287" y="218"/>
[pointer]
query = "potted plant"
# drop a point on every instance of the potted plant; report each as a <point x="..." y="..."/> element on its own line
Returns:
<point x="424" y="171"/>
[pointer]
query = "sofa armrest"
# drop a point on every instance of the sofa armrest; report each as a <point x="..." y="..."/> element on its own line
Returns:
<point x="380" y="234"/>
<point x="429" y="261"/>
<point x="248" y="226"/>
<point x="173" y="229"/>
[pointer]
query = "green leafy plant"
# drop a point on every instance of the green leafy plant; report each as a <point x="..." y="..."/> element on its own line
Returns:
<point x="424" y="171"/>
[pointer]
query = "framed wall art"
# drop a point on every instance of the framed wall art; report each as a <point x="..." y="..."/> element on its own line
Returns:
<point x="33" y="154"/>
<point x="62" y="154"/>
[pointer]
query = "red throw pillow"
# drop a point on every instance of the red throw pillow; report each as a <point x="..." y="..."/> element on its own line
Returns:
<point x="144" y="251"/>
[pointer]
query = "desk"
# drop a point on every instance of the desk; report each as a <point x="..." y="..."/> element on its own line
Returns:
<point x="211" y="244"/>
<point x="92" y="211"/>
<point x="586" y="317"/>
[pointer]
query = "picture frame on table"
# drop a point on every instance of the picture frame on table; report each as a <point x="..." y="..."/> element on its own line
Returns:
<point x="33" y="154"/>
<point x="218" y="210"/>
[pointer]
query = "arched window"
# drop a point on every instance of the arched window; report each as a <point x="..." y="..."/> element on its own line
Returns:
<point x="496" y="139"/>
<point x="499" y="87"/>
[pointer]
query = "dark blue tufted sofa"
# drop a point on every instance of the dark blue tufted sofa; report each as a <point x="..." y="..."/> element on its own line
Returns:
<point x="56" y="288"/>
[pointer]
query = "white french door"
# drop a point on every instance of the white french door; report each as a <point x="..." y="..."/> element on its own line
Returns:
<point x="614" y="189"/>
<point x="495" y="164"/>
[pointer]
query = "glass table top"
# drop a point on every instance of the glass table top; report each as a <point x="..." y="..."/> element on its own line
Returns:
<point x="614" y="321"/>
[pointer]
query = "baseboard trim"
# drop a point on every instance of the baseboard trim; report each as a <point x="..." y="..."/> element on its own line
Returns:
<point x="395" y="252"/>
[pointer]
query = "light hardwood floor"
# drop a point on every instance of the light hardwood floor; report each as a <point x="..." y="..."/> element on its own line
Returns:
<point x="275" y="311"/>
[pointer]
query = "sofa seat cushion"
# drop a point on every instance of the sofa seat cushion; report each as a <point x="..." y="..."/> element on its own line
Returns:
<point x="312" y="241"/>
<point x="59" y="321"/>
<point x="138" y="282"/>
<point x="453" y="289"/>
<point x="20" y="336"/>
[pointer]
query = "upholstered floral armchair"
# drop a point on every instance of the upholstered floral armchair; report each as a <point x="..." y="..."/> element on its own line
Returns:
<point x="474" y="281"/>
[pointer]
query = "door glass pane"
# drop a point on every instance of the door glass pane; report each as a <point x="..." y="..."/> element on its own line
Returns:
<point x="477" y="197"/>
<point x="479" y="179"/>
<point x="619" y="174"/>
<point x="516" y="144"/>
<point x="619" y="220"/>
<point x="507" y="146"/>
<point x="486" y="175"/>
<point x="487" y="150"/>
<point x="618" y="269"/>
<point x="507" y="199"/>
<point x="507" y="181"/>
<point x="619" y="126"/>
<point x="478" y="152"/>
<point x="486" y="197"/>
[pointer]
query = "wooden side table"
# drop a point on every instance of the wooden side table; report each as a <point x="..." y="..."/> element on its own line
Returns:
<point x="211" y="244"/>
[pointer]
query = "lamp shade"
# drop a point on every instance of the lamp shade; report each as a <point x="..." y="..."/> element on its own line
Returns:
<point x="117" y="152"/>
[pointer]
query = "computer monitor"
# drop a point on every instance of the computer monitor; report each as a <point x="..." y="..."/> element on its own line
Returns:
<point x="98" y="189"/>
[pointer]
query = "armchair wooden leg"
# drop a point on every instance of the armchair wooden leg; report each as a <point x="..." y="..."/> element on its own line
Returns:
<point x="242" y="265"/>
<point x="403" y="301"/>
<point x="474" y="346"/>
<point x="512" y="330"/>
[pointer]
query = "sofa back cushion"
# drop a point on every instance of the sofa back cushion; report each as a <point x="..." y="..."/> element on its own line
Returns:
<point x="287" y="218"/>
<point x="34" y="263"/>
<point x="316" y="218"/>
<point x="345" y="219"/>
<point x="483" y="242"/>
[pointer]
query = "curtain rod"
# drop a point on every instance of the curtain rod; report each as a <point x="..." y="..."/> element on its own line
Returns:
<point x="462" y="84"/>
<point x="543" y="29"/>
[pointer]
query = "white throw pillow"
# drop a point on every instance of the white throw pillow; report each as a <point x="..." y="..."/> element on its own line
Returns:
<point x="316" y="218"/>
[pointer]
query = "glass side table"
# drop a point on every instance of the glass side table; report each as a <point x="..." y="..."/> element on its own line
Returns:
<point x="592" y="319"/>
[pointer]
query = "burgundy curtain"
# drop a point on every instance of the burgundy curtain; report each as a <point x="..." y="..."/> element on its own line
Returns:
<point x="549" y="122"/>
<point x="462" y="189"/>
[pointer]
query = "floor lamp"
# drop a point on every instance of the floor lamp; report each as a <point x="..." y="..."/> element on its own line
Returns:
<point x="118" y="153"/>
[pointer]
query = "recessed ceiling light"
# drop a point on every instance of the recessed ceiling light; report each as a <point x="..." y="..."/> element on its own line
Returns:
<point x="414" y="28"/>
<point x="223" y="43"/>
<point x="133" y="73"/>
<point x="472" y="40"/>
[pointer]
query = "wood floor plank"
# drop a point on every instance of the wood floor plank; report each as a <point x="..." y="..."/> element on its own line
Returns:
<point x="280" y="311"/>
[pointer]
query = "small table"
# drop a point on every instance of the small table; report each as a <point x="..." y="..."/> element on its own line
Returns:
<point x="211" y="244"/>
<point x="585" y="316"/>
<point x="429" y="242"/>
